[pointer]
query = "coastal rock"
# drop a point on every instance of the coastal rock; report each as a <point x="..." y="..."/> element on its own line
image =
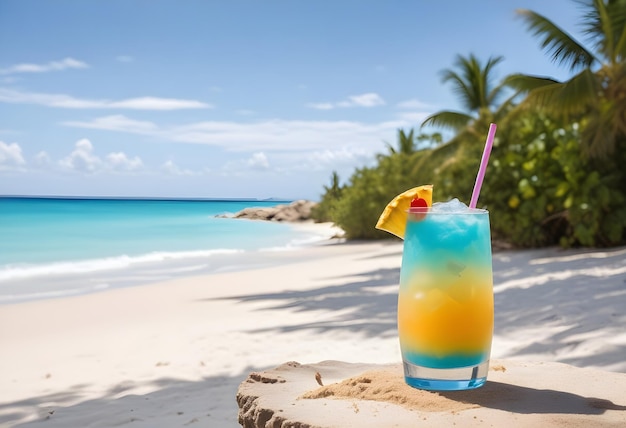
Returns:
<point x="299" y="210"/>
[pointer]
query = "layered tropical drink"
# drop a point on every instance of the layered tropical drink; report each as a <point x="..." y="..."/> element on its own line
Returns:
<point x="445" y="301"/>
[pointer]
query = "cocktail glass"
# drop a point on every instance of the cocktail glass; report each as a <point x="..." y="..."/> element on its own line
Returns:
<point x="445" y="302"/>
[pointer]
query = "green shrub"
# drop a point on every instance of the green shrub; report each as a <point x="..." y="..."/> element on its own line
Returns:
<point x="324" y="210"/>
<point x="541" y="191"/>
<point x="539" y="188"/>
<point x="370" y="190"/>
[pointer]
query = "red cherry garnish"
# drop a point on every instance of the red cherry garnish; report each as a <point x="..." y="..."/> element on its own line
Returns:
<point x="418" y="209"/>
<point x="419" y="203"/>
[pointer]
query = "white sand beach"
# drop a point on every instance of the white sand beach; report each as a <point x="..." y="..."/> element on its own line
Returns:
<point x="173" y="354"/>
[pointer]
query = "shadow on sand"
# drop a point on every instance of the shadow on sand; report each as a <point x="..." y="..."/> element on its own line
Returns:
<point x="579" y="292"/>
<point x="166" y="406"/>
<point x="524" y="400"/>
<point x="582" y="292"/>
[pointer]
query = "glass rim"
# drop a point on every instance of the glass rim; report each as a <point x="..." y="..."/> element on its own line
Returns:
<point x="429" y="210"/>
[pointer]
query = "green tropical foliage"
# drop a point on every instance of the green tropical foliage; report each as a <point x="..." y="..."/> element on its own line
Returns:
<point x="371" y="188"/>
<point x="556" y="172"/>
<point x="324" y="210"/>
<point x="406" y="143"/>
<point x="541" y="191"/>
<point x="596" y="93"/>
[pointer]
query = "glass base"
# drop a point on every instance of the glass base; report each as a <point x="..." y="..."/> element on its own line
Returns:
<point x="446" y="379"/>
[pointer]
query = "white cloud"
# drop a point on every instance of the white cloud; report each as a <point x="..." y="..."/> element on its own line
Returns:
<point x="258" y="161"/>
<point x="64" y="64"/>
<point x="369" y="99"/>
<point x="366" y="100"/>
<point x="414" y="104"/>
<point x="271" y="146"/>
<point x="67" y="101"/>
<point x="244" y="166"/>
<point x="119" y="161"/>
<point x="414" y="111"/>
<point x="282" y="135"/>
<point x="119" y="123"/>
<point x="83" y="159"/>
<point x="333" y="156"/>
<point x="154" y="103"/>
<point x="320" y="160"/>
<point x="270" y="135"/>
<point x="171" y="168"/>
<point x="416" y="117"/>
<point x="322" y="106"/>
<point x="124" y="58"/>
<point x="11" y="156"/>
<point x="43" y="159"/>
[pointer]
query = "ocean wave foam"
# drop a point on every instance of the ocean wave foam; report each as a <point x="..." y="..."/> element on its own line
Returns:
<point x="12" y="272"/>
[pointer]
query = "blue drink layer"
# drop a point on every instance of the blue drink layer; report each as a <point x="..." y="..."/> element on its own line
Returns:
<point x="445" y="362"/>
<point x="442" y="241"/>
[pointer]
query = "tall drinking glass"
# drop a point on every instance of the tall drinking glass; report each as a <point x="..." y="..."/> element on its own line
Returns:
<point x="445" y="303"/>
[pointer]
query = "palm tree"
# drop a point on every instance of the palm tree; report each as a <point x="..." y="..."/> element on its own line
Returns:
<point x="429" y="140"/>
<point x="597" y="91"/>
<point x="453" y="164"/>
<point x="334" y="191"/>
<point x="473" y="82"/>
<point x="406" y="143"/>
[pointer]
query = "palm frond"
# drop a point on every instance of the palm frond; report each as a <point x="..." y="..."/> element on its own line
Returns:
<point x="605" y="27"/>
<point x="617" y="16"/>
<point x="473" y="88"/>
<point x="506" y="107"/>
<point x="391" y="148"/>
<point x="578" y="93"/>
<point x="497" y="93"/>
<point x="597" y="140"/>
<point x="565" y="98"/>
<point x="406" y="143"/>
<point x="536" y="89"/>
<point x="472" y="82"/>
<point x="448" y="119"/>
<point x="523" y="83"/>
<point x="460" y="87"/>
<point x="563" y="48"/>
<point x="490" y="93"/>
<point x="620" y="47"/>
<point x="434" y="158"/>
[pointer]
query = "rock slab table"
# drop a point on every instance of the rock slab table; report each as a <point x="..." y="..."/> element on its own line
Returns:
<point x="517" y="394"/>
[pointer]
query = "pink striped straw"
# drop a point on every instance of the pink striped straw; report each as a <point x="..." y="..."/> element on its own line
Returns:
<point x="483" y="165"/>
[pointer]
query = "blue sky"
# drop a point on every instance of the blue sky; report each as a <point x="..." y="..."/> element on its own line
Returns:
<point x="245" y="99"/>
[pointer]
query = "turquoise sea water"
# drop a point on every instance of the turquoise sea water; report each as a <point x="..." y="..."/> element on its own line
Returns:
<point x="53" y="247"/>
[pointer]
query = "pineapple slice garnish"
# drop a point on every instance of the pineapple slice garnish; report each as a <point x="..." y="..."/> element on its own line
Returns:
<point x="393" y="219"/>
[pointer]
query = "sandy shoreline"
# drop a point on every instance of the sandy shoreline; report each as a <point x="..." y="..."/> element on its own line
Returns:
<point x="173" y="353"/>
<point x="23" y="282"/>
